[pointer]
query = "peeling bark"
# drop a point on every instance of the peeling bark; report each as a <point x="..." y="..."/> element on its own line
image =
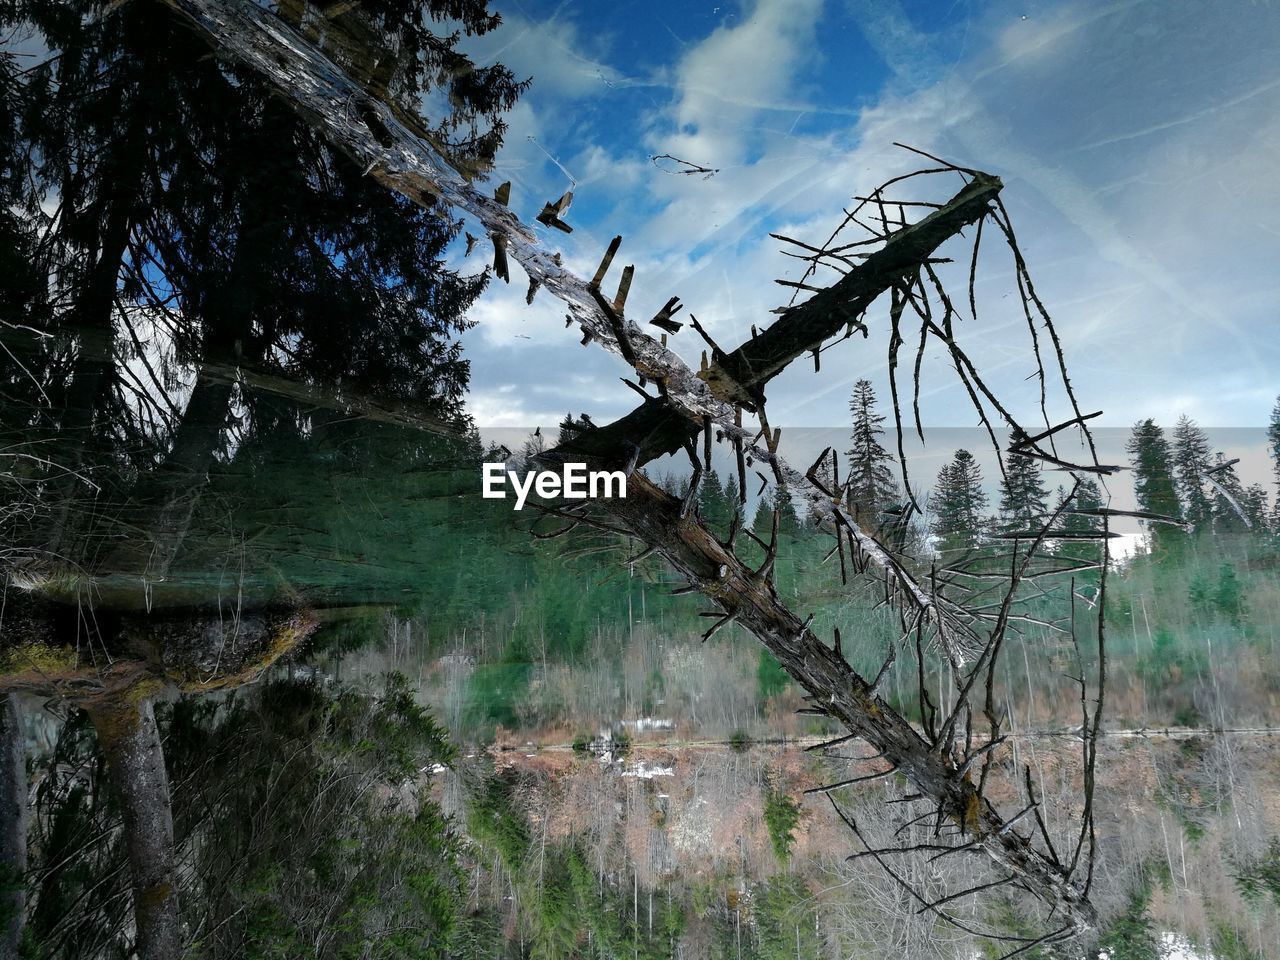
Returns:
<point x="838" y="690"/>
<point x="361" y="124"/>
<point x="369" y="131"/>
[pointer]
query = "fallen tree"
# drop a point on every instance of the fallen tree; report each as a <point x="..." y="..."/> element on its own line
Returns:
<point x="939" y="760"/>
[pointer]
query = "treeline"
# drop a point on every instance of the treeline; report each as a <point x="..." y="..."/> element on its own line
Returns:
<point x="525" y="609"/>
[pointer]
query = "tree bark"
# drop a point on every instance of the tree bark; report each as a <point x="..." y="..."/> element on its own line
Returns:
<point x="93" y="375"/>
<point x="370" y="132"/>
<point x="130" y="738"/>
<point x="13" y="825"/>
<point x="838" y="690"/>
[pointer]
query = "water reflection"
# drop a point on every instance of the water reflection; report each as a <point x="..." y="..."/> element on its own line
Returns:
<point x="246" y="575"/>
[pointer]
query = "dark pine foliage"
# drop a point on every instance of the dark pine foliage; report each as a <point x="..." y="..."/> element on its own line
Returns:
<point x="958" y="503"/>
<point x="182" y="207"/>
<point x="1153" y="481"/>
<point x="1190" y="461"/>
<point x="871" y="483"/>
<point x="1023" y="497"/>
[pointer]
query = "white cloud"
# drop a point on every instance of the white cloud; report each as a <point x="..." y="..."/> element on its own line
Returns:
<point x="724" y="81"/>
<point x="1135" y="241"/>
<point x="562" y="61"/>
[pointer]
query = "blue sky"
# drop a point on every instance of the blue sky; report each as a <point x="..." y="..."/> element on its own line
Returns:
<point x="1138" y="142"/>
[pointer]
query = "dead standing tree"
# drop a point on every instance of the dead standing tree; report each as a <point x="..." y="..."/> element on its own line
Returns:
<point x="947" y="763"/>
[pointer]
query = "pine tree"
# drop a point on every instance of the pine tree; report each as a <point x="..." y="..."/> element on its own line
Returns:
<point x="1190" y="461"/>
<point x="1088" y="497"/>
<point x="1023" y="497"/>
<point x="762" y="520"/>
<point x="713" y="505"/>
<point x="1254" y="502"/>
<point x="1273" y="441"/>
<point x="191" y="196"/>
<point x="733" y="497"/>
<point x="775" y="498"/>
<point x="788" y="519"/>
<point x="871" y="483"/>
<point x="1153" y="481"/>
<point x="958" y="503"/>
<point x="1226" y="518"/>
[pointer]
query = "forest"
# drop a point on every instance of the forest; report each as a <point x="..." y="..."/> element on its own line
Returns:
<point x="279" y="682"/>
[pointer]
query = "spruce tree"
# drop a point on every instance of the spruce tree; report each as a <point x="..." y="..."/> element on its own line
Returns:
<point x="191" y="199"/>
<point x="1153" y="481"/>
<point x="713" y="505"/>
<point x="1254" y="502"/>
<point x="762" y="520"/>
<point x="958" y="503"/>
<point x="1088" y="497"/>
<point x="1190" y="461"/>
<point x="196" y="211"/>
<point x="1273" y="442"/>
<point x="1023" y="497"/>
<point x="775" y="498"/>
<point x="1226" y="518"/>
<point x="733" y="498"/>
<point x="788" y="519"/>
<point x="871" y="483"/>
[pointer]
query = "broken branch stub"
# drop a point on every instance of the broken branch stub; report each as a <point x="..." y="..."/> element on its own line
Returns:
<point x="399" y="157"/>
<point x="844" y="695"/>
<point x="803" y="328"/>
<point x="414" y="167"/>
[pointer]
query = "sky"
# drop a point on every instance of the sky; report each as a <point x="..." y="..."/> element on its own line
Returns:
<point x="1138" y="144"/>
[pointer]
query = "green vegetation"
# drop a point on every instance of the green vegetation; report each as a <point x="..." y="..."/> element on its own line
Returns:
<point x="301" y="815"/>
<point x="771" y="679"/>
<point x="567" y="910"/>
<point x="1131" y="935"/>
<point x="1262" y="877"/>
<point x="781" y="815"/>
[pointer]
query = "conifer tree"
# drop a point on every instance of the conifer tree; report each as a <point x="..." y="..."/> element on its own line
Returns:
<point x="1226" y="518"/>
<point x="1190" y="461"/>
<point x="871" y="483"/>
<point x="762" y="520"/>
<point x="958" y="503"/>
<point x="1273" y="442"/>
<point x="190" y="197"/>
<point x="733" y="498"/>
<point x="775" y="498"/>
<point x="178" y="200"/>
<point x="1254" y="502"/>
<point x="1153" y="480"/>
<point x="788" y="519"/>
<point x="1088" y="497"/>
<point x="713" y="505"/>
<point x="1023" y="497"/>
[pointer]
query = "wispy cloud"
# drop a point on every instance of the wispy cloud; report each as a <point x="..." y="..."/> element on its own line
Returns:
<point x="1138" y="144"/>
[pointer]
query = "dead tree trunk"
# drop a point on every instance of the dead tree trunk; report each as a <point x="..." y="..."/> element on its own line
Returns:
<point x="711" y="402"/>
<point x="837" y="689"/>
<point x="13" y="825"/>
<point x="371" y="133"/>
<point x="127" y="731"/>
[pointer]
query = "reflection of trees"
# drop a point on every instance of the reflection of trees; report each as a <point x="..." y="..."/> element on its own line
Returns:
<point x="195" y="282"/>
<point x="944" y="764"/>
<point x="198" y="238"/>
<point x="301" y="821"/>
